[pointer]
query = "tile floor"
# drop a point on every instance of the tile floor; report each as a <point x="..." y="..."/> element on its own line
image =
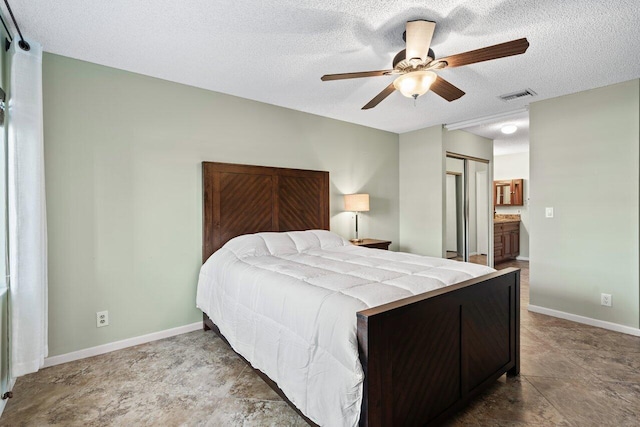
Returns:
<point x="571" y="375"/>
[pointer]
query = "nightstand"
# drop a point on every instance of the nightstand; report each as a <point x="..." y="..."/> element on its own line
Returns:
<point x="373" y="243"/>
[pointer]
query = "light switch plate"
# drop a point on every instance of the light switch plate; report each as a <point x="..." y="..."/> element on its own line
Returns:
<point x="548" y="212"/>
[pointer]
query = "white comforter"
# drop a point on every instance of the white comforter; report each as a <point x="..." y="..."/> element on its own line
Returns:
<point x="287" y="302"/>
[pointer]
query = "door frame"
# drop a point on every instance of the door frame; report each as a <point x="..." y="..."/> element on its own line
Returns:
<point x="489" y="223"/>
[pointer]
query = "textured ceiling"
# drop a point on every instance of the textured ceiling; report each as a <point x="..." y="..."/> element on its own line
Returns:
<point x="276" y="51"/>
<point x="517" y="142"/>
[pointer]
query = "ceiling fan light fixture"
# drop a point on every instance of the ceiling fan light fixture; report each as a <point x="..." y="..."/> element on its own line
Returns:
<point x="509" y="129"/>
<point x="414" y="84"/>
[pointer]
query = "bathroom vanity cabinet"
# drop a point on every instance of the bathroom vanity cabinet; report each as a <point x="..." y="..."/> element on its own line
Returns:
<point x="506" y="240"/>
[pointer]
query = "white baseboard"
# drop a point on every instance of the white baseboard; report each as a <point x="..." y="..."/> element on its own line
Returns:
<point x="522" y="258"/>
<point x="118" y="345"/>
<point x="4" y="402"/>
<point x="586" y="320"/>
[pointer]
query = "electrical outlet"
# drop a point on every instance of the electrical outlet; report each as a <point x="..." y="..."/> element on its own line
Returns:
<point x="102" y="319"/>
<point x="605" y="299"/>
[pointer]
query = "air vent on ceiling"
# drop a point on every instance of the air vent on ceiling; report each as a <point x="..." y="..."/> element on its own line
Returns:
<point x="517" y="95"/>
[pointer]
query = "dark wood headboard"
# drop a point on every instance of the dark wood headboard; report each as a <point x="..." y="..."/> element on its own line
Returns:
<point x="244" y="199"/>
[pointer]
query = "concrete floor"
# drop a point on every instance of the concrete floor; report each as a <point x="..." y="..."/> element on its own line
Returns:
<point x="571" y="375"/>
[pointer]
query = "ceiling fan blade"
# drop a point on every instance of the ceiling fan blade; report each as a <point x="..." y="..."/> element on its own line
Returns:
<point x="502" y="50"/>
<point x="419" y="34"/>
<point x="445" y="89"/>
<point x="380" y="97"/>
<point x="343" y="76"/>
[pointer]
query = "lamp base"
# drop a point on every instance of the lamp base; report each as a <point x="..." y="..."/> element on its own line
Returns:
<point x="356" y="240"/>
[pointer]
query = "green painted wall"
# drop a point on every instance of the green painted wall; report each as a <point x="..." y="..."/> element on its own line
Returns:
<point x="122" y="155"/>
<point x="584" y="163"/>
<point x="467" y="144"/>
<point x="422" y="175"/>
<point x="423" y="185"/>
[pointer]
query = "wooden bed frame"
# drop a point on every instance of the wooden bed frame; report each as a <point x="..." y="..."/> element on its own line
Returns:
<point x="425" y="356"/>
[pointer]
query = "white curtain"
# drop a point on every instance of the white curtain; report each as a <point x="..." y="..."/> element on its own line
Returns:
<point x="26" y="212"/>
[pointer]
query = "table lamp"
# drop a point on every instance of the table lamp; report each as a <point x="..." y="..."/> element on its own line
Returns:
<point x="356" y="203"/>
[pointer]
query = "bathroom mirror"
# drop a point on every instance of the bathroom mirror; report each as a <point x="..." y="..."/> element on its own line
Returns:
<point x="502" y="193"/>
<point x="507" y="192"/>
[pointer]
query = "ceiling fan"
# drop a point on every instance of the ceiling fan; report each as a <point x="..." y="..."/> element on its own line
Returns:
<point x="415" y="65"/>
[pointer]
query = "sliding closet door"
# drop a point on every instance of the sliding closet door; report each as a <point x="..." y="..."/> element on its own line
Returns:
<point x="468" y="196"/>
<point x="4" y="296"/>
<point x="479" y="205"/>
<point x="451" y="233"/>
<point x="454" y="207"/>
<point x="483" y="208"/>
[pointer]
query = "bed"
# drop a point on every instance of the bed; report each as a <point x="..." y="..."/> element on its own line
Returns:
<point x="421" y="357"/>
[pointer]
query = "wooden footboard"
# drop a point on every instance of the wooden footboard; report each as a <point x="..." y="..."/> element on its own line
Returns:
<point x="426" y="356"/>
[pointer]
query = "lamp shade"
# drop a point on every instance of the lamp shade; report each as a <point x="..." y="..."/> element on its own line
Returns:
<point x="415" y="83"/>
<point x="356" y="202"/>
